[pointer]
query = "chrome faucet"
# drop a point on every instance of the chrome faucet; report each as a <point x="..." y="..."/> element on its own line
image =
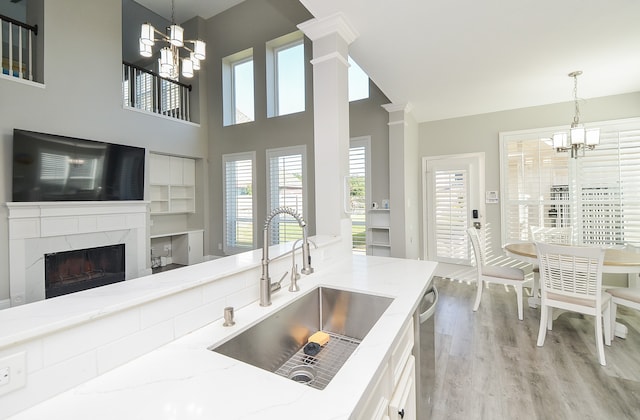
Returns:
<point x="265" y="281"/>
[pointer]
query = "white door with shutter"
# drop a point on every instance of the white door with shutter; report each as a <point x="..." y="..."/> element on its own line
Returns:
<point x="453" y="188"/>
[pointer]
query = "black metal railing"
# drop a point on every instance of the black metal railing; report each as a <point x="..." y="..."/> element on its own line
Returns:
<point x="17" y="48"/>
<point x="146" y="90"/>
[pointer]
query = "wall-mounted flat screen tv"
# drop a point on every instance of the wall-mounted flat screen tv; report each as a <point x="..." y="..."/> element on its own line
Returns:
<point x="48" y="167"/>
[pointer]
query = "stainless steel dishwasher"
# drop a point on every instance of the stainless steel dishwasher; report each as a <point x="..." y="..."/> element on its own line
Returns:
<point x="425" y="353"/>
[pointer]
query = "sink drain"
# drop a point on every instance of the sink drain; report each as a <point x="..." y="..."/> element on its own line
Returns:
<point x="302" y="374"/>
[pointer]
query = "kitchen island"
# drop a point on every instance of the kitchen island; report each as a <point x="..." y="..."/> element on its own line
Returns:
<point x="183" y="379"/>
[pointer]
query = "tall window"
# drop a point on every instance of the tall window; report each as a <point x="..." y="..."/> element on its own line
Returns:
<point x="237" y="88"/>
<point x="286" y="175"/>
<point x="285" y="75"/>
<point x="358" y="186"/>
<point x="239" y="216"/>
<point x="358" y="82"/>
<point x="597" y="194"/>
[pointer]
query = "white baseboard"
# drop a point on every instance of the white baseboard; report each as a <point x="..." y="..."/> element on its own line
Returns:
<point x="5" y="303"/>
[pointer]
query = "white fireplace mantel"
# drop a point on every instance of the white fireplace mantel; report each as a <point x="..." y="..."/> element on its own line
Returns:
<point x="39" y="228"/>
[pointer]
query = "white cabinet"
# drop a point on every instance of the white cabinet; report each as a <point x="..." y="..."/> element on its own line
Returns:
<point x="172" y="184"/>
<point x="378" y="231"/>
<point x="158" y="174"/>
<point x="377" y="403"/>
<point x="188" y="248"/>
<point x="394" y="394"/>
<point x="403" y="405"/>
<point x="181" y="171"/>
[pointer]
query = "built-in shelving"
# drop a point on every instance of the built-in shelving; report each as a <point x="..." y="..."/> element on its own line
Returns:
<point x="172" y="184"/>
<point x="378" y="233"/>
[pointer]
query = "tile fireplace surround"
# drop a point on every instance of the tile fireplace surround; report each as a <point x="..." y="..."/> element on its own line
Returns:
<point x="36" y="229"/>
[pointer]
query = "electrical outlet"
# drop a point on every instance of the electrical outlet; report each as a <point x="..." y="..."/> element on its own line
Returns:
<point x="219" y="246"/>
<point x="4" y="376"/>
<point x="13" y="372"/>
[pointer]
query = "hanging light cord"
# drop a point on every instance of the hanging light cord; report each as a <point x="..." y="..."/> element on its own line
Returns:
<point x="576" y="117"/>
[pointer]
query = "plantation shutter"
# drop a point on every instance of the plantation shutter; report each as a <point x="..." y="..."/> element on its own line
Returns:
<point x="537" y="190"/>
<point x="286" y="189"/>
<point x="238" y="202"/>
<point x="357" y="196"/>
<point x="597" y="194"/>
<point x="608" y="179"/>
<point x="451" y="202"/>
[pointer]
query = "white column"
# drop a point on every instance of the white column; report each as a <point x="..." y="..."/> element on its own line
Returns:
<point x="404" y="182"/>
<point x="331" y="37"/>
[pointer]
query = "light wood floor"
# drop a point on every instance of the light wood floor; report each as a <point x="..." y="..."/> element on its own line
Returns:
<point x="489" y="367"/>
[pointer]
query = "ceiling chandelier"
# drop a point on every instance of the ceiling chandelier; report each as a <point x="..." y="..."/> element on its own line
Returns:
<point x="578" y="137"/>
<point x="170" y="60"/>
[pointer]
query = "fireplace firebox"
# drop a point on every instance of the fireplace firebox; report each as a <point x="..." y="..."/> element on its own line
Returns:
<point x="73" y="271"/>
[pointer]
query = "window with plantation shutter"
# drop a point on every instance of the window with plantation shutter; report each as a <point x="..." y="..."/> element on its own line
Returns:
<point x="597" y="194"/>
<point x="239" y="232"/>
<point x="451" y="212"/>
<point x="358" y="179"/>
<point x="286" y="187"/>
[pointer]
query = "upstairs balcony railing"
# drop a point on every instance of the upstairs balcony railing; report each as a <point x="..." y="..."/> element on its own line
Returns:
<point x="16" y="43"/>
<point x="146" y="90"/>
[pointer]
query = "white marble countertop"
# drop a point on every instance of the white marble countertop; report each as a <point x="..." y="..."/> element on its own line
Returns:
<point x="184" y="380"/>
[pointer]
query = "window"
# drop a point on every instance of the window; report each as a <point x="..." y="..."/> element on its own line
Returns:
<point x="358" y="82"/>
<point x="285" y="75"/>
<point x="239" y="231"/>
<point x="358" y="192"/>
<point x="286" y="175"/>
<point x="237" y="88"/>
<point x="597" y="194"/>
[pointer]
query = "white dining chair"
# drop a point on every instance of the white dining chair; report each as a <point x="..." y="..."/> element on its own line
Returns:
<point x="625" y="296"/>
<point x="550" y="235"/>
<point x="485" y="273"/>
<point x="571" y="280"/>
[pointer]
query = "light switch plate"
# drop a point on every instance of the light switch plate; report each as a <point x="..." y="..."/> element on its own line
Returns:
<point x="13" y="372"/>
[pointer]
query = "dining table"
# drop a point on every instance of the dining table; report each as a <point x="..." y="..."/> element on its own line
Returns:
<point x="616" y="260"/>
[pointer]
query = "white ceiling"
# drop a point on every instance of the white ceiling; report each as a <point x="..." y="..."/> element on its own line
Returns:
<point x="450" y="58"/>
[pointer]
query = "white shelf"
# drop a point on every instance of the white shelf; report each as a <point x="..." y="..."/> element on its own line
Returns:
<point x="378" y="233"/>
<point x="172" y="189"/>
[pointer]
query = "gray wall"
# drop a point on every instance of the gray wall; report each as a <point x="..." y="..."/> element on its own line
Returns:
<point x="82" y="97"/>
<point x="479" y="133"/>
<point x="367" y="117"/>
<point x="251" y="24"/>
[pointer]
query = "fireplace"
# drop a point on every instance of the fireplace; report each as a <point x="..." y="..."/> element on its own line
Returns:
<point x="82" y="269"/>
<point x="38" y="229"/>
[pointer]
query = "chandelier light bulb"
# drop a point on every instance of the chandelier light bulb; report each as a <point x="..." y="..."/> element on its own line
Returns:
<point x="195" y="61"/>
<point x="577" y="135"/>
<point x="176" y="35"/>
<point x="145" y="50"/>
<point x="593" y="137"/>
<point x="146" y="34"/>
<point x="187" y="68"/>
<point x="164" y="69"/>
<point x="199" y="49"/>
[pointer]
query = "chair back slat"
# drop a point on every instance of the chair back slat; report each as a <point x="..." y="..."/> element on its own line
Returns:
<point x="478" y="246"/>
<point x="571" y="271"/>
<point x="551" y="235"/>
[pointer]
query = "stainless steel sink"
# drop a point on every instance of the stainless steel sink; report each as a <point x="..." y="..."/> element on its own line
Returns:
<point x="276" y="343"/>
